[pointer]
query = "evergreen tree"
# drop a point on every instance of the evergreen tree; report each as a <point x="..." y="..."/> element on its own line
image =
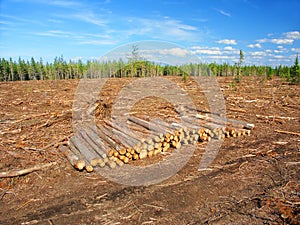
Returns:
<point x="239" y="72"/>
<point x="295" y="72"/>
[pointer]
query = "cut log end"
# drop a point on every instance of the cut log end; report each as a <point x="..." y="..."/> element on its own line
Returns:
<point x="89" y="168"/>
<point x="80" y="164"/>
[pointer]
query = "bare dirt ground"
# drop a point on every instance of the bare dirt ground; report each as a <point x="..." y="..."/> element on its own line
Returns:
<point x="253" y="180"/>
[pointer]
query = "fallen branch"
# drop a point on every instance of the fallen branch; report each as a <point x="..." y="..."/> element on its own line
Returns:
<point x="154" y="206"/>
<point x="17" y="131"/>
<point x="28" y="118"/>
<point x="275" y="117"/>
<point x="292" y="163"/>
<point x="25" y="171"/>
<point x="287" y="132"/>
<point x="58" y="142"/>
<point x="237" y="110"/>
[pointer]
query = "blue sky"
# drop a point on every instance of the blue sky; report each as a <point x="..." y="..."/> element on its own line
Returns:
<point x="267" y="31"/>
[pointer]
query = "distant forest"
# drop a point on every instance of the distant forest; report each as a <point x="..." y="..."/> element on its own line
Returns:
<point x="11" y="70"/>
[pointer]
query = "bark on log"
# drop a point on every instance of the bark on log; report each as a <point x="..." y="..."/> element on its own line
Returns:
<point x="146" y="124"/>
<point x="83" y="146"/>
<point x="227" y="122"/>
<point x="122" y="136"/>
<point x="123" y="129"/>
<point x="71" y="156"/>
<point x="104" y="141"/>
<point x="109" y="138"/>
<point x="94" y="142"/>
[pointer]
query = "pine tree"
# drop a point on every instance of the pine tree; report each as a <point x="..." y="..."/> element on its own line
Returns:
<point x="239" y="72"/>
<point x="295" y="72"/>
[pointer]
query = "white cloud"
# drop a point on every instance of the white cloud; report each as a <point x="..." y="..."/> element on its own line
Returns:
<point x="276" y="61"/>
<point x="279" y="41"/>
<point x="16" y="19"/>
<point x="207" y="50"/>
<point x="63" y="3"/>
<point x="55" y="33"/>
<point x="296" y="50"/>
<point x="3" y="22"/>
<point x="220" y="57"/>
<point x="180" y="52"/>
<point x="295" y="35"/>
<point x="162" y="28"/>
<point x="279" y="56"/>
<point x="257" y="45"/>
<point x="223" y="12"/>
<point x="229" y="48"/>
<point x="280" y="50"/>
<point x="80" y="38"/>
<point x="227" y="42"/>
<point x="216" y="54"/>
<point x="264" y="40"/>
<point x="90" y="17"/>
<point x="282" y="41"/>
<point x="258" y="53"/>
<point x="175" y="51"/>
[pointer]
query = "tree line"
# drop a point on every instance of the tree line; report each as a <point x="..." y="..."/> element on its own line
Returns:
<point x="33" y="69"/>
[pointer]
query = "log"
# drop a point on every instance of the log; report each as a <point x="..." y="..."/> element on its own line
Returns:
<point x="229" y="122"/>
<point x="198" y="123"/>
<point x="123" y="129"/>
<point x="166" y="126"/>
<point x="146" y="124"/>
<point x="287" y="132"/>
<point x="16" y="173"/>
<point x="217" y="118"/>
<point x="186" y="107"/>
<point x="119" y="162"/>
<point x="97" y="161"/>
<point x="104" y="141"/>
<point x="150" y="153"/>
<point x="112" y="164"/>
<point x="72" y="157"/>
<point x="275" y="117"/>
<point x="88" y="157"/>
<point x="122" y="136"/>
<point x="83" y="146"/>
<point x="106" y="135"/>
<point x="237" y="110"/>
<point x="80" y="163"/>
<point x="143" y="154"/>
<point x="90" y="139"/>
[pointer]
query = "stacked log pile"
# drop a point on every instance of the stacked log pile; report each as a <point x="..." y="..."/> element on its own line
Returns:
<point x="112" y="144"/>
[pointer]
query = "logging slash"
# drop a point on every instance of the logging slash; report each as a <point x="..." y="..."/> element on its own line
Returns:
<point x="21" y="172"/>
